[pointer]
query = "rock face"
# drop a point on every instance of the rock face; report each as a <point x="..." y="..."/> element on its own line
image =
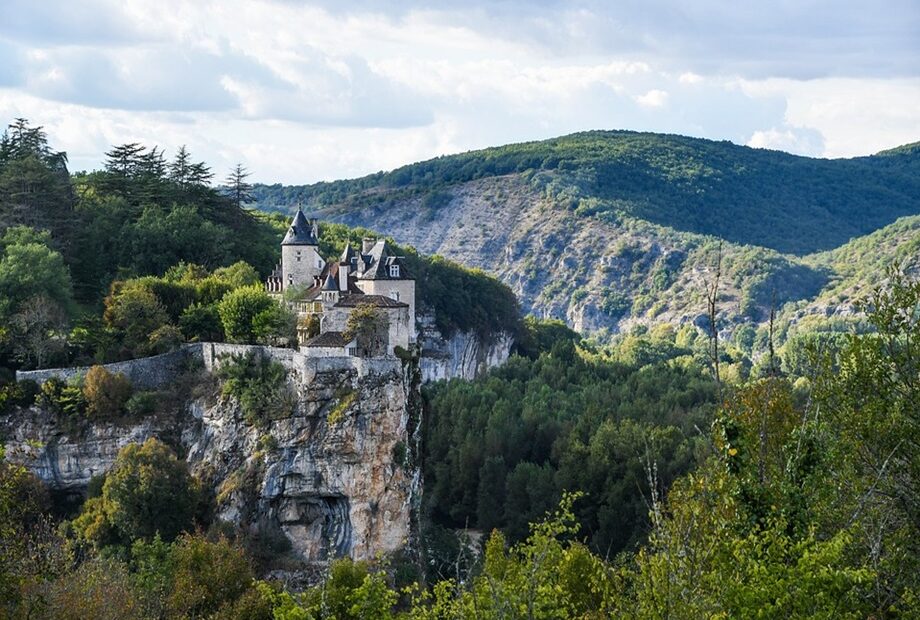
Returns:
<point x="601" y="274"/>
<point x="331" y="470"/>
<point x="464" y="355"/>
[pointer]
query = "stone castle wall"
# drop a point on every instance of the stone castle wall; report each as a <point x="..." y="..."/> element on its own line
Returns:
<point x="146" y="373"/>
<point x="150" y="373"/>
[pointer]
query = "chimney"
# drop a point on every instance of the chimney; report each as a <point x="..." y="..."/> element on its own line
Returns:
<point x="343" y="277"/>
<point x="366" y="244"/>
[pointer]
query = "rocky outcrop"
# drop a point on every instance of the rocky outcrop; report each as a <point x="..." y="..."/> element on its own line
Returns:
<point x="331" y="470"/>
<point x="463" y="355"/>
<point x="602" y="274"/>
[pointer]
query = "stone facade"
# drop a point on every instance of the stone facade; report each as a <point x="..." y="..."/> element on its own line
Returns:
<point x="330" y="290"/>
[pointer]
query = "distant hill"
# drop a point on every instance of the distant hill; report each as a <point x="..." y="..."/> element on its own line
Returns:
<point x="610" y="230"/>
<point x="749" y="196"/>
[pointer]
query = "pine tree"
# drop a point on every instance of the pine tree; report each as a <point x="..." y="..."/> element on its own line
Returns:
<point x="179" y="169"/>
<point x="35" y="185"/>
<point x="237" y="188"/>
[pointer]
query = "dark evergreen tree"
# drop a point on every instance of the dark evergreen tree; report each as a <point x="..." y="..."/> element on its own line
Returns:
<point x="238" y="190"/>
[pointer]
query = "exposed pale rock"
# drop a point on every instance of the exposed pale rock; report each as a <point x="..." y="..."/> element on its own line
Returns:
<point x="332" y="486"/>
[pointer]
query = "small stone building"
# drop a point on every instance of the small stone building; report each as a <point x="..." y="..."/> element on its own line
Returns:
<point x="324" y="293"/>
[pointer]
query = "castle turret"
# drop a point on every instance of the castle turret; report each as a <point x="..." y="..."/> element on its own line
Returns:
<point x="330" y="290"/>
<point x="300" y="259"/>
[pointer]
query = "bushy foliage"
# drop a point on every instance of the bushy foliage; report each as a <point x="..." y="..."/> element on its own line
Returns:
<point x="249" y="315"/>
<point x="63" y="398"/>
<point x="205" y="576"/>
<point x="367" y="325"/>
<point x="258" y="383"/>
<point x="105" y="393"/>
<point x="147" y="492"/>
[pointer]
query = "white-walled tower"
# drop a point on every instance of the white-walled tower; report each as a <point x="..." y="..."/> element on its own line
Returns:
<point x="300" y="259"/>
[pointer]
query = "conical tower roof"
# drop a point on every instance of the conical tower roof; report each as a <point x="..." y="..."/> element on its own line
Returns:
<point x="300" y="232"/>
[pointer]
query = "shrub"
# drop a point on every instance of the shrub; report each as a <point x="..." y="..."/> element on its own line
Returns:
<point x="201" y="323"/>
<point x="20" y="394"/>
<point x="148" y="491"/>
<point x="206" y="576"/>
<point x="63" y="398"/>
<point x="165" y="339"/>
<point x="258" y="383"/>
<point x="238" y="309"/>
<point x="97" y="589"/>
<point x="105" y="393"/>
<point x="275" y="326"/>
<point x="141" y="404"/>
<point x="136" y="313"/>
<point x="368" y="326"/>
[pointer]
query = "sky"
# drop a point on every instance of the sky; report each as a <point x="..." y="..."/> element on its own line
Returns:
<point x="300" y="91"/>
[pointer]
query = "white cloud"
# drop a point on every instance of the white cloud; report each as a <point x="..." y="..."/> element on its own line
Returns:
<point x="654" y="98"/>
<point x="798" y="140"/>
<point x="302" y="92"/>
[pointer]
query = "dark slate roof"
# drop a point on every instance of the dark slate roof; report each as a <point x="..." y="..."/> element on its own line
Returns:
<point x="330" y="284"/>
<point x="300" y="232"/>
<point x="327" y="339"/>
<point x="347" y="254"/>
<point x="378" y="301"/>
<point x="378" y="262"/>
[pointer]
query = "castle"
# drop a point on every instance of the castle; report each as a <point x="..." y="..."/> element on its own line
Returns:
<point x="325" y="293"/>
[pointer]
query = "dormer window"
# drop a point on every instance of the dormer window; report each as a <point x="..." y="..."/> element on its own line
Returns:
<point x="394" y="271"/>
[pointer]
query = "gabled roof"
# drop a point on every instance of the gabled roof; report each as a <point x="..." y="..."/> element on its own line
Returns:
<point x="300" y="232"/>
<point x="327" y="339"/>
<point x="378" y="301"/>
<point x="378" y="261"/>
<point x="330" y="284"/>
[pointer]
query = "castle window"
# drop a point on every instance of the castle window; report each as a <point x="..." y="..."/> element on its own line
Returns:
<point x="394" y="271"/>
<point x="298" y="256"/>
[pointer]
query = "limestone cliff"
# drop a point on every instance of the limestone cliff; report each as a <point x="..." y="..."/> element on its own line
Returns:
<point x="333" y="472"/>
<point x="462" y="355"/>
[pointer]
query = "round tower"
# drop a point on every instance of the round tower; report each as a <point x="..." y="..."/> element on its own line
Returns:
<point x="300" y="259"/>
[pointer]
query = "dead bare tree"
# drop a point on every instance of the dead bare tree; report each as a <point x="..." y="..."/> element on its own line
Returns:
<point x="712" y="298"/>
<point x="772" y="325"/>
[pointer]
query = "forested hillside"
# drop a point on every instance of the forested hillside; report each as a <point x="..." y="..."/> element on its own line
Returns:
<point x="792" y="497"/>
<point x="611" y="231"/>
<point x="748" y="196"/>
<point x="144" y="254"/>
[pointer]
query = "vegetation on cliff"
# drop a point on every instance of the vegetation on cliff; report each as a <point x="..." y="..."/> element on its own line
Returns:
<point x="799" y="508"/>
<point x="153" y="244"/>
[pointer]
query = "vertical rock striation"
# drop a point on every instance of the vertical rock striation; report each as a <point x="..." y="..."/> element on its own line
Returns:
<point x="334" y="472"/>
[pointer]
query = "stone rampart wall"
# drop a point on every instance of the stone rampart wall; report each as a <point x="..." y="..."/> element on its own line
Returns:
<point x="150" y="373"/>
<point x="146" y="373"/>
